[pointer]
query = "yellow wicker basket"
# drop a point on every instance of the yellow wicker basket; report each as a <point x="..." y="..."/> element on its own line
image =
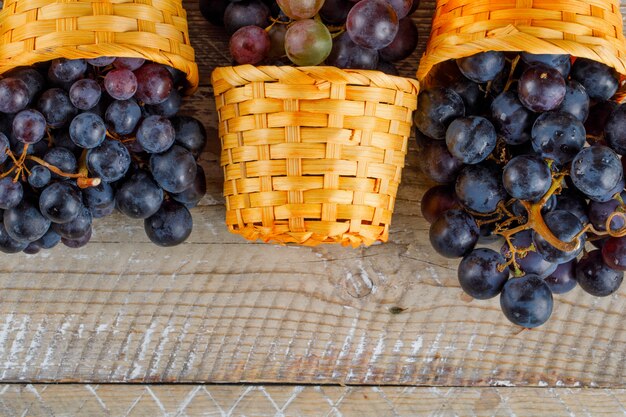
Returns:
<point x="312" y="154"/>
<point x="582" y="28"/>
<point x="33" y="31"/>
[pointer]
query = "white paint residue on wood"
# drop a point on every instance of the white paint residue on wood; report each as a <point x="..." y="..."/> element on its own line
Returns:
<point x="4" y="332"/>
<point x="416" y="345"/>
<point x="379" y="349"/>
<point x="17" y="347"/>
<point x="35" y="346"/>
<point x="160" y="349"/>
<point x="397" y="347"/>
<point x="137" y="370"/>
<point x="347" y="344"/>
<point x="430" y="356"/>
<point x="501" y="383"/>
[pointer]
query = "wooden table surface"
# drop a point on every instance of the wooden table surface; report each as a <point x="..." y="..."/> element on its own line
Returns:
<point x="122" y="327"/>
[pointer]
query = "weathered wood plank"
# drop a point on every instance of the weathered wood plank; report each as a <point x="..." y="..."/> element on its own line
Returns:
<point x="286" y="401"/>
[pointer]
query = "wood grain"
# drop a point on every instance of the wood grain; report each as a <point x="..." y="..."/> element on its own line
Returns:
<point x="280" y="401"/>
<point x="218" y="309"/>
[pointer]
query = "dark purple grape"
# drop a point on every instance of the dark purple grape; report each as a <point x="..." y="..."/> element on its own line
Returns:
<point x="526" y="301"/>
<point x="25" y="223"/>
<point x="174" y="170"/>
<point x="600" y="81"/>
<point x="596" y="277"/>
<point x="403" y="44"/>
<point x="473" y="97"/>
<point x="614" y="253"/>
<point x="245" y="13"/>
<point x="347" y="54"/>
<point x="5" y="145"/>
<point x="372" y="24"/>
<point x="562" y="63"/>
<point x="563" y="279"/>
<point x="482" y="67"/>
<point x="168" y="108"/>
<point x="436" y="109"/>
<point x="190" y="134"/>
<point x="573" y="202"/>
<point x="213" y="10"/>
<point x="558" y="136"/>
<point x="402" y="7"/>
<point x="565" y="226"/>
<point x="128" y="63"/>
<point x="121" y="84"/>
<point x="109" y="161"/>
<point x="436" y="200"/>
<point x="63" y="159"/>
<point x="79" y="241"/>
<point x="615" y="130"/>
<point x="597" y="171"/>
<point x="541" y="88"/>
<point x="155" y="134"/>
<point x="35" y="82"/>
<point x="87" y="130"/>
<point x="49" y="240"/>
<point x="11" y="193"/>
<point x="77" y="227"/>
<point x="335" y="12"/>
<point x="479" y="273"/>
<point x="85" y="94"/>
<point x="8" y="244"/>
<point x="99" y="199"/>
<point x="435" y="160"/>
<point x="14" y="95"/>
<point x="139" y="197"/>
<point x="511" y="119"/>
<point x="170" y="225"/>
<point x="63" y="70"/>
<point x="191" y="196"/>
<point x="39" y="176"/>
<point x="576" y="101"/>
<point x="101" y="61"/>
<point x="454" y="234"/>
<point x="479" y="187"/>
<point x="56" y="107"/>
<point x="597" y="120"/>
<point x="60" y="202"/>
<point x="249" y="45"/>
<point x="471" y="139"/>
<point x="529" y="262"/>
<point x="29" y="126"/>
<point x="122" y="116"/>
<point x="526" y="177"/>
<point x="387" y="67"/>
<point x="154" y="83"/>
<point x="599" y="214"/>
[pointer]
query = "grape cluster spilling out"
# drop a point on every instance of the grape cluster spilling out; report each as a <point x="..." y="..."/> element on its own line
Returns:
<point x="528" y="151"/>
<point x="80" y="139"/>
<point x="362" y="34"/>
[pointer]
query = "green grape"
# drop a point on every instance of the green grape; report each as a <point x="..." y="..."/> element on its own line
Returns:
<point x="300" y="9"/>
<point x="308" y="42"/>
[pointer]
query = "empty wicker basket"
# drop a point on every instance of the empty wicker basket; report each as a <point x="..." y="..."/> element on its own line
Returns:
<point x="581" y="28"/>
<point x="312" y="154"/>
<point x="34" y="31"/>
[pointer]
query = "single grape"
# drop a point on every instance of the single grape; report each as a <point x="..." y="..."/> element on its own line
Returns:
<point x="597" y="171"/>
<point x="526" y="301"/>
<point x="573" y="202"/>
<point x="576" y="101"/>
<point x="402" y="7"/>
<point x="372" y="24"/>
<point x="563" y="279"/>
<point x="168" y="108"/>
<point x="154" y="83"/>
<point x="29" y="126"/>
<point x="347" y="54"/>
<point x="139" y="197"/>
<point x="39" y="176"/>
<point x="245" y="13"/>
<point x="190" y="134"/>
<point x="565" y="226"/>
<point x="473" y="97"/>
<point x="471" y="139"/>
<point x="300" y="9"/>
<point x="600" y="81"/>
<point x="308" y="42"/>
<point x="60" y="202"/>
<point x="403" y="44"/>
<point x="599" y="214"/>
<point x="249" y="45"/>
<point x="78" y="242"/>
<point x="277" y="41"/>
<point x="191" y="196"/>
<point x="527" y="177"/>
<point x="109" y="161"/>
<point x="14" y="95"/>
<point x="615" y="130"/>
<point x="454" y="234"/>
<point x="85" y="93"/>
<point x="121" y="84"/>
<point x="49" y="240"/>
<point x="529" y="262"/>
<point x="56" y="107"/>
<point x="479" y="187"/>
<point x="436" y="109"/>
<point x="614" y="253"/>
<point x="101" y="61"/>
<point x="128" y="63"/>
<point x="155" y="134"/>
<point x="100" y="199"/>
<point x="170" y="225"/>
<point x="558" y="136"/>
<point x="122" y="116"/>
<point x="87" y="130"/>
<point x="77" y="227"/>
<point x="479" y="273"/>
<point x="63" y="159"/>
<point x="63" y="70"/>
<point x="335" y="12"/>
<point x="511" y="119"/>
<point x="596" y="277"/>
<point x="8" y="244"/>
<point x="435" y="160"/>
<point x="561" y="63"/>
<point x="482" y="67"/>
<point x="11" y="193"/>
<point x="35" y="82"/>
<point x="541" y="88"/>
<point x="174" y="170"/>
<point x="436" y="200"/>
<point x="596" y="122"/>
<point x="25" y="223"/>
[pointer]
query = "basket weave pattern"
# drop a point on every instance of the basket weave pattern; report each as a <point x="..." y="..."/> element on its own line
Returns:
<point x="582" y="28"/>
<point x="37" y="31"/>
<point x="312" y="154"/>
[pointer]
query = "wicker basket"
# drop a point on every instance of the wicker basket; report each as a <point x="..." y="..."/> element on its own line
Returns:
<point x="33" y="31"/>
<point x="312" y="154"/>
<point x="581" y="28"/>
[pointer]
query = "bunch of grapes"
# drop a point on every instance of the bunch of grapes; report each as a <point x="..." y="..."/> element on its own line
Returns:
<point x="362" y="34"/>
<point x="527" y="149"/>
<point x="81" y="138"/>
